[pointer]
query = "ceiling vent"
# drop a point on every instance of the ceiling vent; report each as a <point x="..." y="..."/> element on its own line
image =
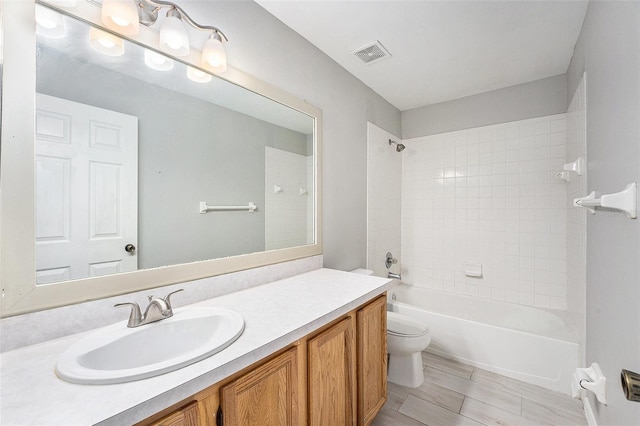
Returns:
<point x="372" y="52"/>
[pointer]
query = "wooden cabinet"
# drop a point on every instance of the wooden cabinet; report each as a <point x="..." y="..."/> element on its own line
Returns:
<point x="335" y="376"/>
<point x="185" y="416"/>
<point x="331" y="373"/>
<point x="199" y="410"/>
<point x="266" y="396"/>
<point x="372" y="359"/>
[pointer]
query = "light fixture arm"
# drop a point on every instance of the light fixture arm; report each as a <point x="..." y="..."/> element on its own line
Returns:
<point x="148" y="13"/>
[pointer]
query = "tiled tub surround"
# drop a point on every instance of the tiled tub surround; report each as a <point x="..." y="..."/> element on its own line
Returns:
<point x="288" y="213"/>
<point x="275" y="314"/>
<point x="488" y="195"/>
<point x="46" y="325"/>
<point x="384" y="172"/>
<point x="535" y="345"/>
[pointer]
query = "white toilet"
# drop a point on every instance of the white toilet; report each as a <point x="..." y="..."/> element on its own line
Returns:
<point x="406" y="339"/>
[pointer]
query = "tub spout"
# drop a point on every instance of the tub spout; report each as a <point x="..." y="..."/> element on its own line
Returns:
<point x="394" y="276"/>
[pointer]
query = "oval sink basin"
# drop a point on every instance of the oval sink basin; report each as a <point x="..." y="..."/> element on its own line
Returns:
<point x="117" y="354"/>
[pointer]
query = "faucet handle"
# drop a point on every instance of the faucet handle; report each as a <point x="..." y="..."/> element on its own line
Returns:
<point x="166" y="299"/>
<point x="135" y="318"/>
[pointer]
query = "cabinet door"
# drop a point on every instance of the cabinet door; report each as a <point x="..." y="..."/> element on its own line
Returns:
<point x="186" y="416"/>
<point x="372" y="359"/>
<point x="331" y="373"/>
<point x="266" y="396"/>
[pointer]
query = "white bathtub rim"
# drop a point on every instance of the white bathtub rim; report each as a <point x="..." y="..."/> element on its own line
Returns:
<point x="556" y="377"/>
<point x="570" y="335"/>
<point x="409" y="305"/>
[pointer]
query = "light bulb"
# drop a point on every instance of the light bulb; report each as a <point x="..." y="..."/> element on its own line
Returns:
<point x="121" y="16"/>
<point x="106" y="43"/>
<point x="213" y="54"/>
<point x="197" y="75"/>
<point x="157" y="61"/>
<point x="49" y="23"/>
<point x="109" y="44"/>
<point x="45" y="21"/>
<point x="173" y="35"/>
<point x="120" y="21"/>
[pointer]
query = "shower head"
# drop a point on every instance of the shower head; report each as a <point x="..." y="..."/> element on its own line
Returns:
<point x="399" y="147"/>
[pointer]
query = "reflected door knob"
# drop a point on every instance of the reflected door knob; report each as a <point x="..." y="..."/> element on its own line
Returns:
<point x="130" y="248"/>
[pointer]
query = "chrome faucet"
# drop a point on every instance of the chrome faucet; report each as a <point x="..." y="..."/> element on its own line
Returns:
<point x="157" y="310"/>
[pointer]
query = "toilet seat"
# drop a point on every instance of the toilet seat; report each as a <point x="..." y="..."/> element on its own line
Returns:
<point x="402" y="325"/>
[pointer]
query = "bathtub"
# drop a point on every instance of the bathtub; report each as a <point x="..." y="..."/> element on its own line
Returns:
<point x="533" y="345"/>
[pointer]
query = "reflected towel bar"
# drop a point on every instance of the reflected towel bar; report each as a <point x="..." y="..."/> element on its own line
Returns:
<point x="204" y="208"/>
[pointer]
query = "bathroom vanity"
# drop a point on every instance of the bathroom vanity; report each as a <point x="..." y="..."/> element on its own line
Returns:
<point x="335" y="375"/>
<point x="313" y="351"/>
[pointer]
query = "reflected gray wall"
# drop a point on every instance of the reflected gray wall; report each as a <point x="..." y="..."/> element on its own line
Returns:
<point x="189" y="151"/>
<point x="608" y="49"/>
<point x="262" y="46"/>
<point x="538" y="98"/>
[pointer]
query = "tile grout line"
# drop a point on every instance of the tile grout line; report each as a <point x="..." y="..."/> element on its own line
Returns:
<point x="467" y="417"/>
<point x="521" y="404"/>
<point x="522" y="397"/>
<point x="461" y="374"/>
<point x="464" y="398"/>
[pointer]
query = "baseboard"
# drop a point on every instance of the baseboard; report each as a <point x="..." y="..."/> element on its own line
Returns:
<point x="588" y="412"/>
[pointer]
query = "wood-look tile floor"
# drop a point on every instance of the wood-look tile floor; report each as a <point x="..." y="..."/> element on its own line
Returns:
<point x="458" y="394"/>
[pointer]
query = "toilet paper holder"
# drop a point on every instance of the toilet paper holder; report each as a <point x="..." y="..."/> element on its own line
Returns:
<point x="591" y="379"/>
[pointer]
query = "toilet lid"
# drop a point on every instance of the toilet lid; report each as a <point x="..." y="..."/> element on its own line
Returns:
<point x="399" y="324"/>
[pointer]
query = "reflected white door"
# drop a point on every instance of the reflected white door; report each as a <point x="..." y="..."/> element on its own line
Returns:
<point x="87" y="190"/>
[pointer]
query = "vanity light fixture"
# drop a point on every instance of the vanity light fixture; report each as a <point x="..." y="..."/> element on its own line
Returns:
<point x="49" y="23"/>
<point x="213" y="53"/>
<point x="173" y="34"/>
<point x="121" y="16"/>
<point x="106" y="43"/>
<point x="198" y="76"/>
<point x="157" y="61"/>
<point x="117" y="16"/>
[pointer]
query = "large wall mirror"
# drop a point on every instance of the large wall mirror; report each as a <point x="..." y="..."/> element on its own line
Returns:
<point x="135" y="169"/>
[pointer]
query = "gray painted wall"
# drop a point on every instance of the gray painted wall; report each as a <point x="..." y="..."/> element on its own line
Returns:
<point x="535" y="99"/>
<point x="609" y="51"/>
<point x="189" y="151"/>
<point x="264" y="47"/>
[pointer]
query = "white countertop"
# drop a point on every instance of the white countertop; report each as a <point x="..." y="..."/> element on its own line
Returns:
<point x="275" y="315"/>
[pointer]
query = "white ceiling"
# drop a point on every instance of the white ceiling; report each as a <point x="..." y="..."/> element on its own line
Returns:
<point x="441" y="50"/>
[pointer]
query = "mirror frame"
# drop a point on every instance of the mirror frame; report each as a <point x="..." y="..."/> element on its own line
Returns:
<point x="20" y="294"/>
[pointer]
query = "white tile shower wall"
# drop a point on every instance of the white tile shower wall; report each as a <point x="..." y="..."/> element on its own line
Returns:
<point x="384" y="175"/>
<point x="488" y="195"/>
<point x="287" y="213"/>
<point x="577" y="217"/>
